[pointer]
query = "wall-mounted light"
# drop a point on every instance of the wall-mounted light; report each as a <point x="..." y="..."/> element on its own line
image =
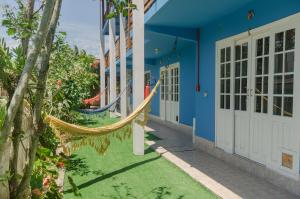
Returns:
<point x="250" y="15"/>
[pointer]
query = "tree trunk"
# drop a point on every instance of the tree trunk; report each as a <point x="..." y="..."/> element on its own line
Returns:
<point x="33" y="53"/>
<point x="24" y="184"/>
<point x="17" y="132"/>
<point x="16" y="136"/>
<point x="38" y="125"/>
<point x="29" y="16"/>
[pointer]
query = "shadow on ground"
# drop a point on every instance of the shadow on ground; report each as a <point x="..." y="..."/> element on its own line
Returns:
<point x="122" y="190"/>
<point x="109" y="175"/>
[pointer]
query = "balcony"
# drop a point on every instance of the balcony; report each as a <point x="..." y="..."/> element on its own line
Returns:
<point x="147" y="6"/>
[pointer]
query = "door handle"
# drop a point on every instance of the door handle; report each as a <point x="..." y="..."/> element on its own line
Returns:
<point x="250" y="94"/>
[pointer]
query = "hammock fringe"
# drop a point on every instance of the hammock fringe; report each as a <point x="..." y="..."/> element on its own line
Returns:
<point x="74" y="136"/>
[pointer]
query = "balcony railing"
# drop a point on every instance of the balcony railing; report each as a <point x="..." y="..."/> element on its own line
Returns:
<point x="147" y="6"/>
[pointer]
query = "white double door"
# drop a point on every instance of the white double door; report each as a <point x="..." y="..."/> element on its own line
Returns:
<point x="262" y="75"/>
<point x="250" y="74"/>
<point x="253" y="111"/>
<point x="256" y="104"/>
<point x="169" y="93"/>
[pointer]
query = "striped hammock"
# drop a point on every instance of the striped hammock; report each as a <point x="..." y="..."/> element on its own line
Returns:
<point x="99" y="137"/>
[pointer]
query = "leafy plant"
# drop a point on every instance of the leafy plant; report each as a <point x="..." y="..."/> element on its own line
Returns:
<point x="45" y="173"/>
<point x="71" y="79"/>
<point x="120" y="6"/>
<point x="18" y="25"/>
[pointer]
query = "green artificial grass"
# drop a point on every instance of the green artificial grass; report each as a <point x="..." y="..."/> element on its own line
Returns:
<point x="121" y="175"/>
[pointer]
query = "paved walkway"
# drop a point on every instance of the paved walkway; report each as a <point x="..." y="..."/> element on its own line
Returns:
<point x="224" y="180"/>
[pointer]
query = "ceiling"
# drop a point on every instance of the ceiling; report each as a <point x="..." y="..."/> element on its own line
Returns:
<point x="193" y="13"/>
<point x="164" y="43"/>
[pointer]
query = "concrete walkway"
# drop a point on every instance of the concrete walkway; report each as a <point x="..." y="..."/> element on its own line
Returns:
<point x="224" y="180"/>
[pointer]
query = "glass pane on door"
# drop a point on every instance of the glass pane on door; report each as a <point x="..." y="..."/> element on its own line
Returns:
<point x="241" y="77"/>
<point x="283" y="86"/>
<point x="261" y="84"/>
<point x="225" y="78"/>
<point x="162" y="85"/>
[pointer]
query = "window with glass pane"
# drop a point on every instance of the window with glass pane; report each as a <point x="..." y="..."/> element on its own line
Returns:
<point x="283" y="86"/>
<point x="240" y="78"/>
<point x="225" y="75"/>
<point x="261" y="89"/>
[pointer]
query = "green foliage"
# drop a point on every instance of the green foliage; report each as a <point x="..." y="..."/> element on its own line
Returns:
<point x="44" y="174"/>
<point x="19" y="27"/>
<point x="2" y="113"/>
<point x="49" y="140"/>
<point x="71" y="79"/>
<point x="11" y="64"/>
<point x="17" y="24"/>
<point x="120" y="6"/>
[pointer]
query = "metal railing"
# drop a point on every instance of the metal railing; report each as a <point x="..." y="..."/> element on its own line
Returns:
<point x="147" y="6"/>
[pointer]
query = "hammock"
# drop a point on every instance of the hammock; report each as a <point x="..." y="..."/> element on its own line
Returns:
<point x="80" y="135"/>
<point x="104" y="108"/>
<point x="99" y="110"/>
<point x="94" y="100"/>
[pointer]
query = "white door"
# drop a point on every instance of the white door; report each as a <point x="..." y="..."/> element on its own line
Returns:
<point x="241" y="82"/>
<point x="224" y="87"/>
<point x="282" y="130"/>
<point x="260" y="94"/>
<point x="260" y="119"/>
<point x="169" y="98"/>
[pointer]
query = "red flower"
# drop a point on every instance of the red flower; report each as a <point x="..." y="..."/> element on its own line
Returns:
<point x="59" y="82"/>
<point x="46" y="181"/>
<point x="60" y="165"/>
<point x="36" y="191"/>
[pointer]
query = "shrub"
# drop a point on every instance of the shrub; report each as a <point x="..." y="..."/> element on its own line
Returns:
<point x="70" y="80"/>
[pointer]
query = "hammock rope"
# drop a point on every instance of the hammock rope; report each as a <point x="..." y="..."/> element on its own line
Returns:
<point x="99" y="137"/>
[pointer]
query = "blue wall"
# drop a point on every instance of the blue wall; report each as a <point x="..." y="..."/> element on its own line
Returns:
<point x="266" y="11"/>
<point x="187" y="58"/>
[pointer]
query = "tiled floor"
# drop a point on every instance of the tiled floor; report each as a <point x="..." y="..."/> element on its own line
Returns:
<point x="223" y="179"/>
